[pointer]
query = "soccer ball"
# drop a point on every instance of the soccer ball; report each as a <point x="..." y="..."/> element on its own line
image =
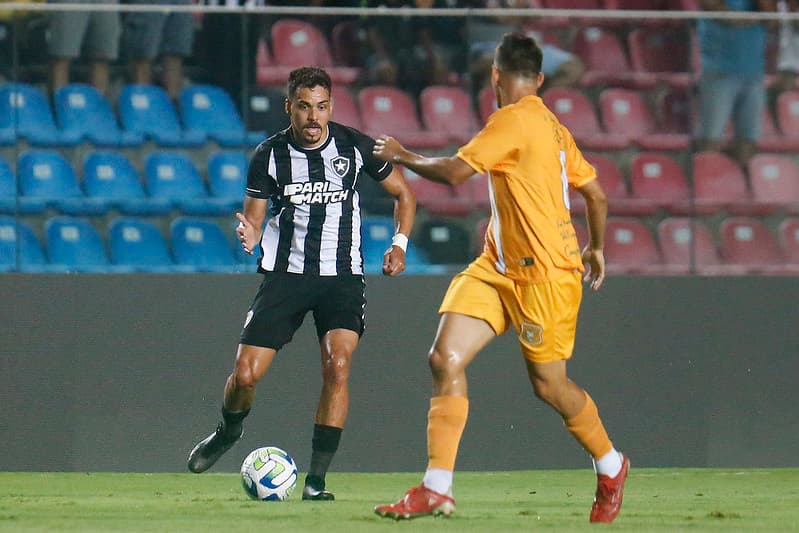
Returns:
<point x="268" y="474"/>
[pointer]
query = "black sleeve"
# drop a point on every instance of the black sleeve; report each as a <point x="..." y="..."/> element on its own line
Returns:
<point x="259" y="183"/>
<point x="376" y="168"/>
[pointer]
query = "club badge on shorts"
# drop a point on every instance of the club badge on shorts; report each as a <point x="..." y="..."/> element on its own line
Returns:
<point x="532" y="334"/>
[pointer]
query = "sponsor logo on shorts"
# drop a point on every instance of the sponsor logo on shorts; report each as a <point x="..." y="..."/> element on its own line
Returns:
<point x="532" y="334"/>
<point x="314" y="192"/>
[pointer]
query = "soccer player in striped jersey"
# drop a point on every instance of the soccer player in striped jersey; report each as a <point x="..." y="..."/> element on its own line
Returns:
<point x="529" y="275"/>
<point x="302" y="216"/>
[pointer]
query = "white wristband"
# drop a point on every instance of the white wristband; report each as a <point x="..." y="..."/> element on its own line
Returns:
<point x="400" y="240"/>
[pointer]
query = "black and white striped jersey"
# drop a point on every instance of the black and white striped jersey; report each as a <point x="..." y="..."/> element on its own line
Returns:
<point x="313" y="224"/>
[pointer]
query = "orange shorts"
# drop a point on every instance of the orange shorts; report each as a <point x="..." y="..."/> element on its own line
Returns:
<point x="544" y="314"/>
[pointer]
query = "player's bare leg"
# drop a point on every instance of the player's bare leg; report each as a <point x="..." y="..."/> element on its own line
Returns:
<point x="251" y="364"/>
<point x="581" y="417"/>
<point x="337" y="347"/>
<point x="458" y="340"/>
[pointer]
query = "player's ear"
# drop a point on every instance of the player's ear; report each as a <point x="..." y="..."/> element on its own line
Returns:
<point x="539" y="80"/>
<point x="287" y="106"/>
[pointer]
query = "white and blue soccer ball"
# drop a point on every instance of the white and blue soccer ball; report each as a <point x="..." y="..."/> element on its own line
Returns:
<point x="269" y="474"/>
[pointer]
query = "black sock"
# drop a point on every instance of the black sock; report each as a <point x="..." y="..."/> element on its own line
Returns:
<point x="324" y="445"/>
<point x="232" y="420"/>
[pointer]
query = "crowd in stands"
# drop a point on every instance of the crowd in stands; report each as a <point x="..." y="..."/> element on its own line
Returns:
<point x="145" y="120"/>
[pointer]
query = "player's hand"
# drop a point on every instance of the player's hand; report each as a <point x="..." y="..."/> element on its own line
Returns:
<point x="594" y="261"/>
<point x="393" y="261"/>
<point x="388" y="148"/>
<point x="245" y="231"/>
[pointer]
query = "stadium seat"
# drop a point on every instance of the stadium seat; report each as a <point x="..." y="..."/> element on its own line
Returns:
<point x="575" y="111"/>
<point x="658" y="179"/>
<point x="83" y="111"/>
<point x="110" y="177"/>
<point x="345" y="111"/>
<point x="376" y="235"/>
<point x="747" y="243"/>
<point x="620" y="201"/>
<point x="771" y="139"/>
<point x="392" y="111"/>
<point x="789" y="240"/>
<point x="577" y="21"/>
<point x="200" y="244"/>
<point x="606" y="61"/>
<point x="147" y="110"/>
<point x="296" y="43"/>
<point x="445" y="242"/>
<point x="19" y="247"/>
<point x="438" y="198"/>
<point x="675" y="110"/>
<point x="227" y="176"/>
<point x="347" y="43"/>
<point x="664" y="52"/>
<point x="46" y="176"/>
<point x="774" y="180"/>
<point x="486" y="104"/>
<point x="581" y="230"/>
<point x="719" y="184"/>
<point x="173" y="177"/>
<point x="687" y="246"/>
<point x="210" y="109"/>
<point x="8" y="189"/>
<point x="266" y="110"/>
<point x="74" y="245"/>
<point x="480" y="229"/>
<point x="267" y="71"/>
<point x="624" y="112"/>
<point x="138" y="245"/>
<point x="448" y="110"/>
<point x="788" y="114"/>
<point x="25" y="111"/>
<point x="630" y="247"/>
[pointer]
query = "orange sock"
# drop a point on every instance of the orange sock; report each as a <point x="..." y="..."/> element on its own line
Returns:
<point x="446" y="421"/>
<point x="587" y="428"/>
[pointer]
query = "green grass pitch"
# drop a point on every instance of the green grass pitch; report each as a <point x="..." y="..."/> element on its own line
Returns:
<point x="662" y="500"/>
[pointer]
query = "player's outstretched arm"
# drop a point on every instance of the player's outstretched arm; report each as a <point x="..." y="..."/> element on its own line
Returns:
<point x="404" y="215"/>
<point x="596" y="203"/>
<point x="250" y="223"/>
<point x="447" y="170"/>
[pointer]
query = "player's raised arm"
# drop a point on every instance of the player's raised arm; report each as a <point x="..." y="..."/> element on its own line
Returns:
<point x="404" y="215"/>
<point x="447" y="170"/>
<point x="596" y="207"/>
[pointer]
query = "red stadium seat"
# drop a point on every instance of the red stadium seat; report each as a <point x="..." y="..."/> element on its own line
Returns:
<point x="788" y="114"/>
<point x="749" y="244"/>
<point x="478" y="191"/>
<point x="719" y="183"/>
<point x="664" y="52"/>
<point x="448" y="110"/>
<point x="789" y="239"/>
<point x="347" y="44"/>
<point x="582" y="234"/>
<point x="658" y="179"/>
<point x="344" y="109"/>
<point x="438" y="198"/>
<point x="480" y="230"/>
<point x="392" y="111"/>
<point x="688" y="246"/>
<point x="624" y="112"/>
<point x="774" y="180"/>
<point x="630" y="247"/>
<point x="620" y="202"/>
<point x="267" y="71"/>
<point x="606" y="62"/>
<point x="296" y="43"/>
<point x="575" y="111"/>
<point x="486" y="104"/>
<point x="676" y="112"/>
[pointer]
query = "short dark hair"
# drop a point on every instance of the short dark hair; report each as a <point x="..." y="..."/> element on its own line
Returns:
<point x="308" y="77"/>
<point x="518" y="54"/>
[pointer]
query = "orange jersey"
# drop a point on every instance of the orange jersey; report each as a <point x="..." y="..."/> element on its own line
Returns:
<point x="531" y="160"/>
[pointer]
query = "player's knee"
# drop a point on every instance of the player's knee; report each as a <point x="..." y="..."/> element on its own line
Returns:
<point x="244" y="377"/>
<point x="336" y="369"/>
<point x="544" y="390"/>
<point x="441" y="360"/>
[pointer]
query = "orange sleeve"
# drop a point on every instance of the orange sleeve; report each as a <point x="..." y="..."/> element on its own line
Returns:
<point x="578" y="170"/>
<point x="493" y="143"/>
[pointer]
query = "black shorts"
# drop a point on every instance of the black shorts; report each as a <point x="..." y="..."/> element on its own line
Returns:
<point x="284" y="299"/>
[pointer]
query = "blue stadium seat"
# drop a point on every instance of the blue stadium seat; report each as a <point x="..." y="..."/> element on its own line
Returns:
<point x="139" y="245"/>
<point x="82" y="110"/>
<point x="174" y="177"/>
<point x="227" y="176"/>
<point x="147" y="110"/>
<point x="25" y="110"/>
<point x="8" y="188"/>
<point x="376" y="233"/>
<point x="211" y="110"/>
<point x="201" y="245"/>
<point x="45" y="176"/>
<point x="75" y="246"/>
<point x="110" y="176"/>
<point x="19" y="247"/>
